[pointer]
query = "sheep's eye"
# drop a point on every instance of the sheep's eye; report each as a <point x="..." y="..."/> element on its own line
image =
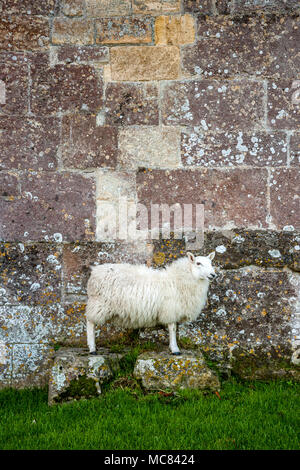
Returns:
<point x="198" y="263"/>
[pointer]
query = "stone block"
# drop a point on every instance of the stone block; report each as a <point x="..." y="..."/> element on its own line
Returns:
<point x="128" y="104"/>
<point x="233" y="148"/>
<point x="112" y="185"/>
<point x="30" y="274"/>
<point x="295" y="149"/>
<point x="143" y="63"/>
<point x="255" y="46"/>
<point x="282" y="112"/>
<point x="174" y="30"/>
<point x="71" y="87"/>
<point x="29" y="143"/>
<point x="53" y="207"/>
<point x="72" y="31"/>
<point x="124" y="30"/>
<point x="163" y="371"/>
<point x="150" y="147"/>
<point x="82" y="54"/>
<point x="5" y="364"/>
<point x="31" y="363"/>
<point x="156" y="6"/>
<point x="284" y="197"/>
<point x="28" y="7"/>
<point x="268" y="6"/>
<point x="199" y="7"/>
<point x="216" y="106"/>
<point x="72" y="7"/>
<point x="108" y="8"/>
<point x="86" y="145"/>
<point x="14" y="75"/>
<point x="24" y="32"/>
<point x="231" y="198"/>
<point x="76" y="374"/>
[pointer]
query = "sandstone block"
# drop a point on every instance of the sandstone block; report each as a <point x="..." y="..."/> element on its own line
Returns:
<point x="128" y="30"/>
<point x="144" y="63"/>
<point x="14" y="75"/>
<point x="29" y="7"/>
<point x="73" y="7"/>
<point x="156" y="6"/>
<point x="29" y="143"/>
<point x="268" y="6"/>
<point x="23" y="32"/>
<point x="174" y="30"/>
<point x="204" y="7"/>
<point x="295" y="149"/>
<point x="71" y="87"/>
<point x="111" y="185"/>
<point x="76" y="374"/>
<point x="50" y="207"/>
<point x="30" y="274"/>
<point x="285" y="199"/>
<point x="108" y="7"/>
<point x="161" y="371"/>
<point x="283" y="113"/>
<point x="150" y="147"/>
<point x="72" y="31"/>
<point x="82" y="54"/>
<point x="86" y="145"/>
<point x="129" y="104"/>
<point x="217" y="106"/>
<point x="228" y="46"/>
<point x="233" y="148"/>
<point x="231" y="198"/>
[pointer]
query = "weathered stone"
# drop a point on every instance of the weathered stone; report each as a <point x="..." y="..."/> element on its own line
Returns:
<point x="72" y="31"/>
<point x="295" y="150"/>
<point x="5" y="365"/>
<point x="256" y="46"/>
<point x="284" y="197"/>
<point x="154" y="147"/>
<point x="28" y="7"/>
<point x="282" y="112"/>
<point x="76" y="374"/>
<point x="30" y="274"/>
<point x="72" y="7"/>
<point x="9" y="189"/>
<point x="128" y="30"/>
<point x="174" y="30"/>
<point x="31" y="364"/>
<point x="29" y="143"/>
<point x="226" y="105"/>
<point x="86" y="145"/>
<point x="161" y="371"/>
<point x="107" y="7"/>
<point x="64" y="87"/>
<point x="14" y="75"/>
<point x="82" y="54"/>
<point x="19" y="33"/>
<point x="224" y="193"/>
<point x="112" y="185"/>
<point x="204" y="7"/>
<point x="73" y="324"/>
<point x="53" y="206"/>
<point x="142" y="63"/>
<point x="233" y="148"/>
<point x="156" y="6"/>
<point x="268" y="6"/>
<point x="131" y="104"/>
<point x="78" y="258"/>
<point x="24" y="324"/>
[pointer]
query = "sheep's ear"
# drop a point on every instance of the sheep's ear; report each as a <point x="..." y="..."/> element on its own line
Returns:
<point x="191" y="257"/>
<point x="212" y="255"/>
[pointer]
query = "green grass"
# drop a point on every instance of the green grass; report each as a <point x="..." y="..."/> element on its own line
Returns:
<point x="248" y="416"/>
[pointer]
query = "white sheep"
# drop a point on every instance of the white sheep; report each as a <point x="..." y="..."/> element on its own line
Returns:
<point x="136" y="296"/>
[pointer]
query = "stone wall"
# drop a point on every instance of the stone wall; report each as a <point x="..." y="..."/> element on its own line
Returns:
<point x="161" y="101"/>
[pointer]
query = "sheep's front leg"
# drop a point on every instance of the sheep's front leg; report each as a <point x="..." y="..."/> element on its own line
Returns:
<point x="90" y="331"/>
<point x="172" y="339"/>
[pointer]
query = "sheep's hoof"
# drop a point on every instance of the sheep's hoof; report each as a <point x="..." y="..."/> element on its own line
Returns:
<point x="93" y="353"/>
<point x="178" y="353"/>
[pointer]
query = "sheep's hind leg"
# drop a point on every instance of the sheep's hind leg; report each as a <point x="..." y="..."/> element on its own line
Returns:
<point x="172" y="339"/>
<point x="90" y="331"/>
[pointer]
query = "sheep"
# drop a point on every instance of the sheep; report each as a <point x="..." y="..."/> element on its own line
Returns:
<point x="137" y="296"/>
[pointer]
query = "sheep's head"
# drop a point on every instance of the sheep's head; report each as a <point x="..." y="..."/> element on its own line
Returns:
<point x="201" y="267"/>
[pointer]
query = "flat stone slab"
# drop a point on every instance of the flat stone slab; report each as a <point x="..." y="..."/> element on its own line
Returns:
<point x="77" y="374"/>
<point x="160" y="371"/>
